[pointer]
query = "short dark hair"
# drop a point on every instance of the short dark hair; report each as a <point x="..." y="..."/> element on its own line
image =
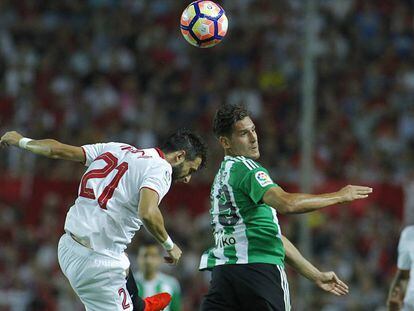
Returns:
<point x="192" y="143"/>
<point x="225" y="118"/>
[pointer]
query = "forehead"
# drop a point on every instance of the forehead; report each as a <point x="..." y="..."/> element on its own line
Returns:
<point x="243" y="124"/>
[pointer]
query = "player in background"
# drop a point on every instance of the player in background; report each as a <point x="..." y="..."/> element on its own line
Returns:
<point x="401" y="294"/>
<point x="249" y="255"/>
<point x="150" y="280"/>
<point x="119" y="192"/>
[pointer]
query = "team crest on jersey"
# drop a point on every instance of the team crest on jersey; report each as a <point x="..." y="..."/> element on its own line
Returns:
<point x="263" y="179"/>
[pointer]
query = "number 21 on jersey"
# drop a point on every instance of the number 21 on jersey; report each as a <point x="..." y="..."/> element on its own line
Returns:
<point x="111" y="164"/>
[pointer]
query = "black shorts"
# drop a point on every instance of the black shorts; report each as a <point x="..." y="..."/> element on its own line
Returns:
<point x="256" y="286"/>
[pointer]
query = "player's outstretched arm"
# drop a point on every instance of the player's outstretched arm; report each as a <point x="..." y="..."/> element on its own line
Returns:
<point x="294" y="203"/>
<point x="328" y="281"/>
<point x="151" y="216"/>
<point x="46" y="147"/>
<point x="397" y="290"/>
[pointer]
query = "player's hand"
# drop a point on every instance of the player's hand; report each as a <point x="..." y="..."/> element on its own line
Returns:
<point x="174" y="255"/>
<point x="351" y="193"/>
<point x="329" y="282"/>
<point x="10" y="139"/>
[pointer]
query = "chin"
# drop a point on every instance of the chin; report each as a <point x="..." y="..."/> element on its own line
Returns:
<point x="255" y="155"/>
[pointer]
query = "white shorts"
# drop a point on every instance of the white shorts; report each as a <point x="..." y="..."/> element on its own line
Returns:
<point x="98" y="280"/>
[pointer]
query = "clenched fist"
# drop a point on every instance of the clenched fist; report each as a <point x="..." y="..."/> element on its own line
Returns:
<point x="174" y="255"/>
<point x="10" y="139"/>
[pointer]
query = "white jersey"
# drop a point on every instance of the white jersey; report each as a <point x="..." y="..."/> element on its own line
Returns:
<point x="105" y="214"/>
<point x="406" y="262"/>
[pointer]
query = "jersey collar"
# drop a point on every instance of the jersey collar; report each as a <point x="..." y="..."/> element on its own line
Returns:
<point x="161" y="154"/>
<point x="229" y="157"/>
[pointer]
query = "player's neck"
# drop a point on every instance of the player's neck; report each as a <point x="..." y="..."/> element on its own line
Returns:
<point x="229" y="153"/>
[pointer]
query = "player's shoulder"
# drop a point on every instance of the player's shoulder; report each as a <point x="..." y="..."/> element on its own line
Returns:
<point x="245" y="164"/>
<point x="113" y="146"/>
<point x="95" y="149"/>
<point x="157" y="161"/>
<point x="153" y="165"/>
<point x="152" y="155"/>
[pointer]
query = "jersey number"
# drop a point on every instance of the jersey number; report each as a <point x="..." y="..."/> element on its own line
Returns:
<point x="108" y="192"/>
<point x="227" y="212"/>
<point x="125" y="305"/>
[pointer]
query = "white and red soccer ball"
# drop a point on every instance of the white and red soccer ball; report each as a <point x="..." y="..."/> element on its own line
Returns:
<point x="204" y="23"/>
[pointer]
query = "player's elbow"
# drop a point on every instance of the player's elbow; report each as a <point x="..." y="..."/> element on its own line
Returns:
<point x="147" y="216"/>
<point x="65" y="152"/>
<point x="286" y="207"/>
<point x="56" y="150"/>
<point x="288" y="203"/>
<point x="46" y="147"/>
<point x="144" y="215"/>
<point x="280" y="200"/>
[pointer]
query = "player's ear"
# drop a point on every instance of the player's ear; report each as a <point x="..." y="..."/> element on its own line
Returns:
<point x="180" y="156"/>
<point x="224" y="142"/>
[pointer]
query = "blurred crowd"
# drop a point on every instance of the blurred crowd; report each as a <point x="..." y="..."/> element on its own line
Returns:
<point x="118" y="70"/>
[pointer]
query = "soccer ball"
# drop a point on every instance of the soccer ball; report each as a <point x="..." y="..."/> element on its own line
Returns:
<point x="204" y="23"/>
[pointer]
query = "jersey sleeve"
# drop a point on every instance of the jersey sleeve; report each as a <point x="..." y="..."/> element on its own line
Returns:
<point x="404" y="259"/>
<point x="92" y="152"/>
<point x="256" y="182"/>
<point x="158" y="178"/>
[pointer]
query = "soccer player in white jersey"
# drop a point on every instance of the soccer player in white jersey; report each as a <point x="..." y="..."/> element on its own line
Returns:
<point x="401" y="294"/>
<point x="119" y="192"/>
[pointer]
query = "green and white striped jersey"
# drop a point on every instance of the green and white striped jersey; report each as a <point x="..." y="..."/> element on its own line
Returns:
<point x="245" y="229"/>
<point x="161" y="283"/>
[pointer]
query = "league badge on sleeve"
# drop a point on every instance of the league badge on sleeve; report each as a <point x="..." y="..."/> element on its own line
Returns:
<point x="263" y="179"/>
<point x="167" y="178"/>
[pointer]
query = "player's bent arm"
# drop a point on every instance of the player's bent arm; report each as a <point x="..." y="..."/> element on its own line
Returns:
<point x="46" y="147"/>
<point x="295" y="203"/>
<point x="397" y="289"/>
<point x="150" y="214"/>
<point x="327" y="281"/>
<point x="295" y="259"/>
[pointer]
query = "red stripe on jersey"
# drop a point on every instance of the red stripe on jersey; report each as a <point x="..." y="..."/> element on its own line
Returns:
<point x="162" y="155"/>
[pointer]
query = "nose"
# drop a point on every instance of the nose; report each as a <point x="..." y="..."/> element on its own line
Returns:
<point x="253" y="137"/>
<point x="186" y="179"/>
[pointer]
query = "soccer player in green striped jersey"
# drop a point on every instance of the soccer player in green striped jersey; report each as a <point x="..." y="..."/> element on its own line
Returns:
<point x="248" y="258"/>
<point x="151" y="281"/>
